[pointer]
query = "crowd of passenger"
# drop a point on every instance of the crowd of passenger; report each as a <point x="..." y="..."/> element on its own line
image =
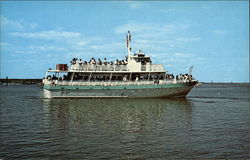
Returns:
<point x="184" y="77"/>
<point x="93" y="61"/>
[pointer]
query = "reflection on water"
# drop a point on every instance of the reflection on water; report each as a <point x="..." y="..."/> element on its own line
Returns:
<point x="131" y="114"/>
<point x="118" y="125"/>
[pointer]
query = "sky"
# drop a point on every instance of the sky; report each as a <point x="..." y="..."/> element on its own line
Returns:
<point x="211" y="36"/>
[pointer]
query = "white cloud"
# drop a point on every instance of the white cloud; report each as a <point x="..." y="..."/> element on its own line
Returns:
<point x="33" y="25"/>
<point x="136" y="5"/>
<point x="23" y="52"/>
<point x="4" y="44"/>
<point x="156" y="37"/>
<point x="150" y="37"/>
<point x="148" y="29"/>
<point x="49" y="35"/>
<point x="73" y="40"/>
<point x="151" y="41"/>
<point x="82" y="43"/>
<point x="108" y="47"/>
<point x="46" y="48"/>
<point x="165" y="10"/>
<point x="188" y="39"/>
<point x="7" y="22"/>
<point x="16" y="24"/>
<point x="219" y="32"/>
<point x="152" y="30"/>
<point x="77" y="54"/>
<point x="134" y="27"/>
<point x="182" y="54"/>
<point x="38" y="49"/>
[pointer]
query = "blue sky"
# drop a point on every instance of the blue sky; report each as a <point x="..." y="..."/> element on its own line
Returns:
<point x="213" y="36"/>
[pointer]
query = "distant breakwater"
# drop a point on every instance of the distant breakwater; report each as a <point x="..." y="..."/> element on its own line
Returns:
<point x="20" y="81"/>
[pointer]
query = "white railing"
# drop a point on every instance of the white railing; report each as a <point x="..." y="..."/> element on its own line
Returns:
<point x="114" y="67"/>
<point x="97" y="67"/>
<point x="111" y="83"/>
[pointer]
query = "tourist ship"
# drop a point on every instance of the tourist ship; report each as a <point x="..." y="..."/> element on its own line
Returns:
<point x="134" y="77"/>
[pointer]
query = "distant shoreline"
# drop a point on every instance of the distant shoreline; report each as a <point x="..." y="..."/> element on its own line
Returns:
<point x="39" y="81"/>
<point x="20" y="81"/>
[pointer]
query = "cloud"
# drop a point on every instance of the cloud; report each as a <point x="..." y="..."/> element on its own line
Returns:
<point x="7" y="22"/>
<point x="165" y="10"/>
<point x="157" y="37"/>
<point x="152" y="30"/>
<point x="182" y="54"/>
<point x="46" y="48"/>
<point x="24" y="52"/>
<point x="136" y="5"/>
<point x="4" y="44"/>
<point x="82" y="43"/>
<point x="219" y="32"/>
<point x="134" y="27"/>
<point x="188" y="39"/>
<point x="36" y="50"/>
<point x="145" y="28"/>
<point x="73" y="40"/>
<point x="48" y="35"/>
<point x="107" y="47"/>
<point x="16" y="24"/>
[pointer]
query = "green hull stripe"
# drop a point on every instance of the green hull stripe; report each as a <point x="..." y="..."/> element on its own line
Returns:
<point x="120" y="87"/>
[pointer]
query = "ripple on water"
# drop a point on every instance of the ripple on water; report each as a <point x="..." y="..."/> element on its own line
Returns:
<point x="202" y="126"/>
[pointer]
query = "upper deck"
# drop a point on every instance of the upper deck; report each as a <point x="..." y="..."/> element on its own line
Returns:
<point x="111" y="68"/>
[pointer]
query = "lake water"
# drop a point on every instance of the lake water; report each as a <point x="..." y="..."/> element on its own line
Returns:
<point x="212" y="122"/>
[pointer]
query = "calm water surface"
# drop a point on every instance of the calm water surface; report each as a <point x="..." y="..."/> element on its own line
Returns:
<point x="213" y="122"/>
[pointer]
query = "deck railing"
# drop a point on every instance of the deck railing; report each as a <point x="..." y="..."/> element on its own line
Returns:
<point x="114" y="67"/>
<point x="97" y="67"/>
<point x="111" y="83"/>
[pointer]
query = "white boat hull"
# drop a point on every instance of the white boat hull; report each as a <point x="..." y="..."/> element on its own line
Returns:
<point x="166" y="90"/>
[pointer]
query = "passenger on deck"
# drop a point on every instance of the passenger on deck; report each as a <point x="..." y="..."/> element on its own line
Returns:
<point x="73" y="62"/>
<point x="48" y="77"/>
<point x="80" y="61"/>
<point x="92" y="61"/>
<point x="105" y="61"/>
<point x="190" y="77"/>
<point x="125" y="78"/>
<point x="116" y="62"/>
<point x="137" y="78"/>
<point x="99" y="62"/>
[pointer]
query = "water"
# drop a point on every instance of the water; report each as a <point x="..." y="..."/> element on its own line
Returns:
<point x="213" y="122"/>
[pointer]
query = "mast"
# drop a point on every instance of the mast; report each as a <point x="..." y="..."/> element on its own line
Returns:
<point x="128" y="40"/>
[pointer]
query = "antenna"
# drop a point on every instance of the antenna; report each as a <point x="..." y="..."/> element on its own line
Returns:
<point x="190" y="70"/>
<point x="128" y="40"/>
